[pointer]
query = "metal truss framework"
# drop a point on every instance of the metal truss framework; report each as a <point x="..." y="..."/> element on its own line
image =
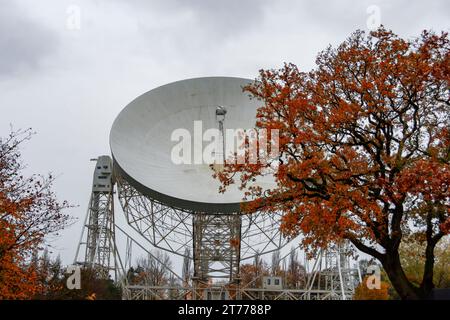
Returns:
<point x="216" y="246"/>
<point x="220" y="242"/>
<point x="330" y="278"/>
<point x="99" y="227"/>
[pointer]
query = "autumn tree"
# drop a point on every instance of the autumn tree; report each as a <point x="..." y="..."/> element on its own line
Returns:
<point x="364" y="149"/>
<point x="53" y="279"/>
<point x="93" y="286"/>
<point x="49" y="272"/>
<point x="29" y="214"/>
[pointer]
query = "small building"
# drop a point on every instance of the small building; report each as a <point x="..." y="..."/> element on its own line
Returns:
<point x="103" y="175"/>
<point x="272" y="283"/>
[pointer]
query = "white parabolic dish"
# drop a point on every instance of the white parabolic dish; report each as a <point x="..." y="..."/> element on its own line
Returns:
<point x="141" y="142"/>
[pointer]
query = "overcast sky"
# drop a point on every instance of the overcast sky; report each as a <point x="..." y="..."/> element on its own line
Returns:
<point x="67" y="68"/>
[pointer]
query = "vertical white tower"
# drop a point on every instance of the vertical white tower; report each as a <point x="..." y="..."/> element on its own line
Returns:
<point x="98" y="234"/>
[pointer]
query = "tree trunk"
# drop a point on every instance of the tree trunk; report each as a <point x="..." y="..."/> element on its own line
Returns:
<point x="392" y="266"/>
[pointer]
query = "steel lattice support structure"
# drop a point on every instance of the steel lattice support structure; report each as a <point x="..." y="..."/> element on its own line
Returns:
<point x="216" y="246"/>
<point x="100" y="232"/>
<point x="171" y="229"/>
<point x="99" y="226"/>
<point x="219" y="241"/>
<point x="332" y="277"/>
<point x="164" y="227"/>
<point x="325" y="281"/>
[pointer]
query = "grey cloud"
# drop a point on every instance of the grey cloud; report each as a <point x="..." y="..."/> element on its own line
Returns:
<point x="194" y="31"/>
<point x="226" y="16"/>
<point x="23" y="41"/>
<point x="222" y="18"/>
<point x="402" y="16"/>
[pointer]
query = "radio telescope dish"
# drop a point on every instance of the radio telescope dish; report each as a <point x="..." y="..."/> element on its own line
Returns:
<point x="177" y="206"/>
<point x="141" y="141"/>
